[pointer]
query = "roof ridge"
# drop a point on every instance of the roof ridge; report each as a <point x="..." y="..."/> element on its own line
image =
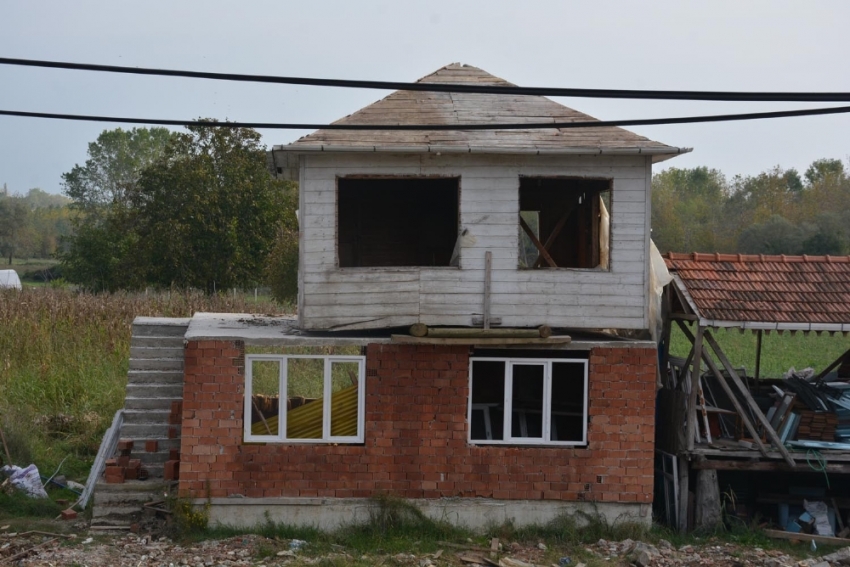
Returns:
<point x="751" y="258"/>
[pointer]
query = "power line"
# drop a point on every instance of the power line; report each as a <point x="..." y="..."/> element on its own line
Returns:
<point x="478" y="126"/>
<point x="449" y="87"/>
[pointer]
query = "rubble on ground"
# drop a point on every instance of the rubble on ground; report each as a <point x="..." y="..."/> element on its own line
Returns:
<point x="116" y="550"/>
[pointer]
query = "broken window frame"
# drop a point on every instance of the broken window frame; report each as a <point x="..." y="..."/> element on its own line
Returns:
<point x="507" y="421"/>
<point x="327" y="390"/>
<point x="526" y="231"/>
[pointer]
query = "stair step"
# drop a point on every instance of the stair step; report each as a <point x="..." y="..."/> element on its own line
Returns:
<point x="156" y="364"/>
<point x="152" y="416"/>
<point x="170" y="352"/>
<point x="138" y="403"/>
<point x="146" y="430"/>
<point x="154" y="390"/>
<point x="155" y="376"/>
<point x="156" y="342"/>
<point x="160" y="326"/>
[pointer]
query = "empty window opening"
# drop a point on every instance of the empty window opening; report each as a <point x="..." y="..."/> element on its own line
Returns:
<point x="397" y="221"/>
<point x="563" y="223"/>
<point x="545" y="401"/>
<point x="322" y="401"/>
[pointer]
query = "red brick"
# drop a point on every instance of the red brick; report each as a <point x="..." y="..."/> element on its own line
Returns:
<point x="125" y="444"/>
<point x="171" y="470"/>
<point x="151" y="446"/>
<point x="69" y="514"/>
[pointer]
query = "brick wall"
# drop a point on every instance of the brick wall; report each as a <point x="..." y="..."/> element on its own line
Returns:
<point x="416" y="435"/>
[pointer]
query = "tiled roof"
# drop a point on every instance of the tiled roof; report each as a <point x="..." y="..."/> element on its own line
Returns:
<point x="766" y="289"/>
<point x="421" y="107"/>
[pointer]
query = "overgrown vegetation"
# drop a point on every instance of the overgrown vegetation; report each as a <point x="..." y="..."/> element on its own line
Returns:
<point x="779" y="352"/>
<point x="63" y="365"/>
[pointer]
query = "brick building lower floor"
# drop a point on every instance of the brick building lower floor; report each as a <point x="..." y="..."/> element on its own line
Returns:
<point x="308" y="435"/>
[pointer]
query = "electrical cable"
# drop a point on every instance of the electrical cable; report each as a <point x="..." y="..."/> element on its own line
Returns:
<point x="448" y="87"/>
<point x="452" y="127"/>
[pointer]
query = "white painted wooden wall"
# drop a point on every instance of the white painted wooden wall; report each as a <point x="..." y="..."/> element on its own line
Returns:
<point x="364" y="298"/>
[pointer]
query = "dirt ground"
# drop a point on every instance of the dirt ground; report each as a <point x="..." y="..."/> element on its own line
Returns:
<point x="137" y="550"/>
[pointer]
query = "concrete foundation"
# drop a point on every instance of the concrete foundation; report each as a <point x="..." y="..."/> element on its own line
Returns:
<point x="474" y="513"/>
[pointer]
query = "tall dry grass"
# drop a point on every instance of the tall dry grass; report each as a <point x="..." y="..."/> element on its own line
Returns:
<point x="63" y="364"/>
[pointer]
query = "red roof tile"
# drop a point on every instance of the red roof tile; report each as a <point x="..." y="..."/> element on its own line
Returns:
<point x="761" y="288"/>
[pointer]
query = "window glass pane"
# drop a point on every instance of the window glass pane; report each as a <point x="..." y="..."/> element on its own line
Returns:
<point x="488" y="400"/>
<point x="265" y="397"/>
<point x="304" y="392"/>
<point x="527" y="401"/>
<point x="568" y="417"/>
<point x="344" y="386"/>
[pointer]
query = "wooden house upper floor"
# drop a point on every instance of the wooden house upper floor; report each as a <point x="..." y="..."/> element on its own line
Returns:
<point x="547" y="226"/>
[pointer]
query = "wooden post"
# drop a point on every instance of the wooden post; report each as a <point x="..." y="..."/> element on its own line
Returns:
<point x="771" y="433"/>
<point x="729" y="393"/>
<point x="683" y="495"/>
<point x="488" y="267"/>
<point x="758" y="358"/>
<point x="690" y="430"/>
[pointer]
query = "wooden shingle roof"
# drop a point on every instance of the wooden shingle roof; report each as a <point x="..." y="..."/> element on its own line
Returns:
<point x="418" y="107"/>
<point x="765" y="292"/>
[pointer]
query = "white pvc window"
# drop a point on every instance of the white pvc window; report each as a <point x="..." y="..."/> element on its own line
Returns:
<point x="304" y="398"/>
<point x="527" y="401"/>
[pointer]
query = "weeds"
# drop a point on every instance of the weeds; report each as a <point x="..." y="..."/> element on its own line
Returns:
<point x="63" y="365"/>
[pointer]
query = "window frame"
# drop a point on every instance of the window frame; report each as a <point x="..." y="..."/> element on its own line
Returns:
<point x="507" y="438"/>
<point x="326" y="438"/>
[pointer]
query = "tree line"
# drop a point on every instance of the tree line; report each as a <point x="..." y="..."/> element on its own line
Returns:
<point x="775" y="212"/>
<point x="32" y="225"/>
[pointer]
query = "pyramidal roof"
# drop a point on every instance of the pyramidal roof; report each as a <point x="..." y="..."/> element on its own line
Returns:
<point x="419" y="107"/>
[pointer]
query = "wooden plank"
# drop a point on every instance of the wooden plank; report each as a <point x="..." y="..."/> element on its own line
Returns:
<point x="760" y="465"/>
<point x="407" y="339"/>
<point x="537" y="243"/>
<point x="488" y="267"/>
<point x="691" y="424"/>
<point x="556" y="230"/>
<point x="774" y="438"/>
<point x="729" y="393"/>
<point x="838" y="541"/>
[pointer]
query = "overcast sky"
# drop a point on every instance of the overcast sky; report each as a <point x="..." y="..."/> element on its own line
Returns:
<point x="718" y="45"/>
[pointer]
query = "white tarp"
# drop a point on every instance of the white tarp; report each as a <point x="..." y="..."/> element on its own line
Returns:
<point x="9" y="279"/>
<point x="659" y="277"/>
<point x="26" y="480"/>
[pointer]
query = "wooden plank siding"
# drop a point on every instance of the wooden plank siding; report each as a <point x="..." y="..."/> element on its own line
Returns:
<point x="362" y="298"/>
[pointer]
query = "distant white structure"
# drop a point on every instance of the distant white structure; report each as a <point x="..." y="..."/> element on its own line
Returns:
<point x="9" y="279"/>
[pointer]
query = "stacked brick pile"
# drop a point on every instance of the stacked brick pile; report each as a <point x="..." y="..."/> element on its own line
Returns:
<point x="122" y="467"/>
<point x="818" y="426"/>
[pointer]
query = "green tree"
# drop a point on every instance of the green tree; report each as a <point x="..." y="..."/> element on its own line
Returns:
<point x="15" y="234"/>
<point x="823" y="168"/>
<point x="116" y="159"/>
<point x="99" y="254"/>
<point x="207" y="213"/>
<point x="687" y="210"/>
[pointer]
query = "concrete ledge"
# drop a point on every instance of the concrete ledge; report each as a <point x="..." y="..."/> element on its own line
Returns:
<point x="474" y="513"/>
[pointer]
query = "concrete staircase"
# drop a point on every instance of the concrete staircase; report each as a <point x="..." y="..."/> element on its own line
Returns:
<point x="154" y="381"/>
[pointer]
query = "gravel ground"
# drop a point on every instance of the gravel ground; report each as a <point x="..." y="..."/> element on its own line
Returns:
<point x="137" y="550"/>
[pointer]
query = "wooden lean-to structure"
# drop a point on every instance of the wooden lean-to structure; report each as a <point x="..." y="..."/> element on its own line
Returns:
<point x="713" y="420"/>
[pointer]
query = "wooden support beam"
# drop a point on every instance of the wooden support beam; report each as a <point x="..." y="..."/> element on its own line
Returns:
<point x="832" y="366"/>
<point x="554" y="234"/>
<point x="733" y="375"/>
<point x="684" y="317"/>
<point x="837" y="541"/>
<point x="761" y="465"/>
<point x="683" y="495"/>
<point x="537" y="244"/>
<point x="729" y="393"/>
<point x="488" y="268"/>
<point x="691" y="425"/>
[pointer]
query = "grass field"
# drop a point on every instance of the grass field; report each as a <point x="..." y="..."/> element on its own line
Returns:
<point x="778" y="352"/>
<point x="63" y="365"/>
